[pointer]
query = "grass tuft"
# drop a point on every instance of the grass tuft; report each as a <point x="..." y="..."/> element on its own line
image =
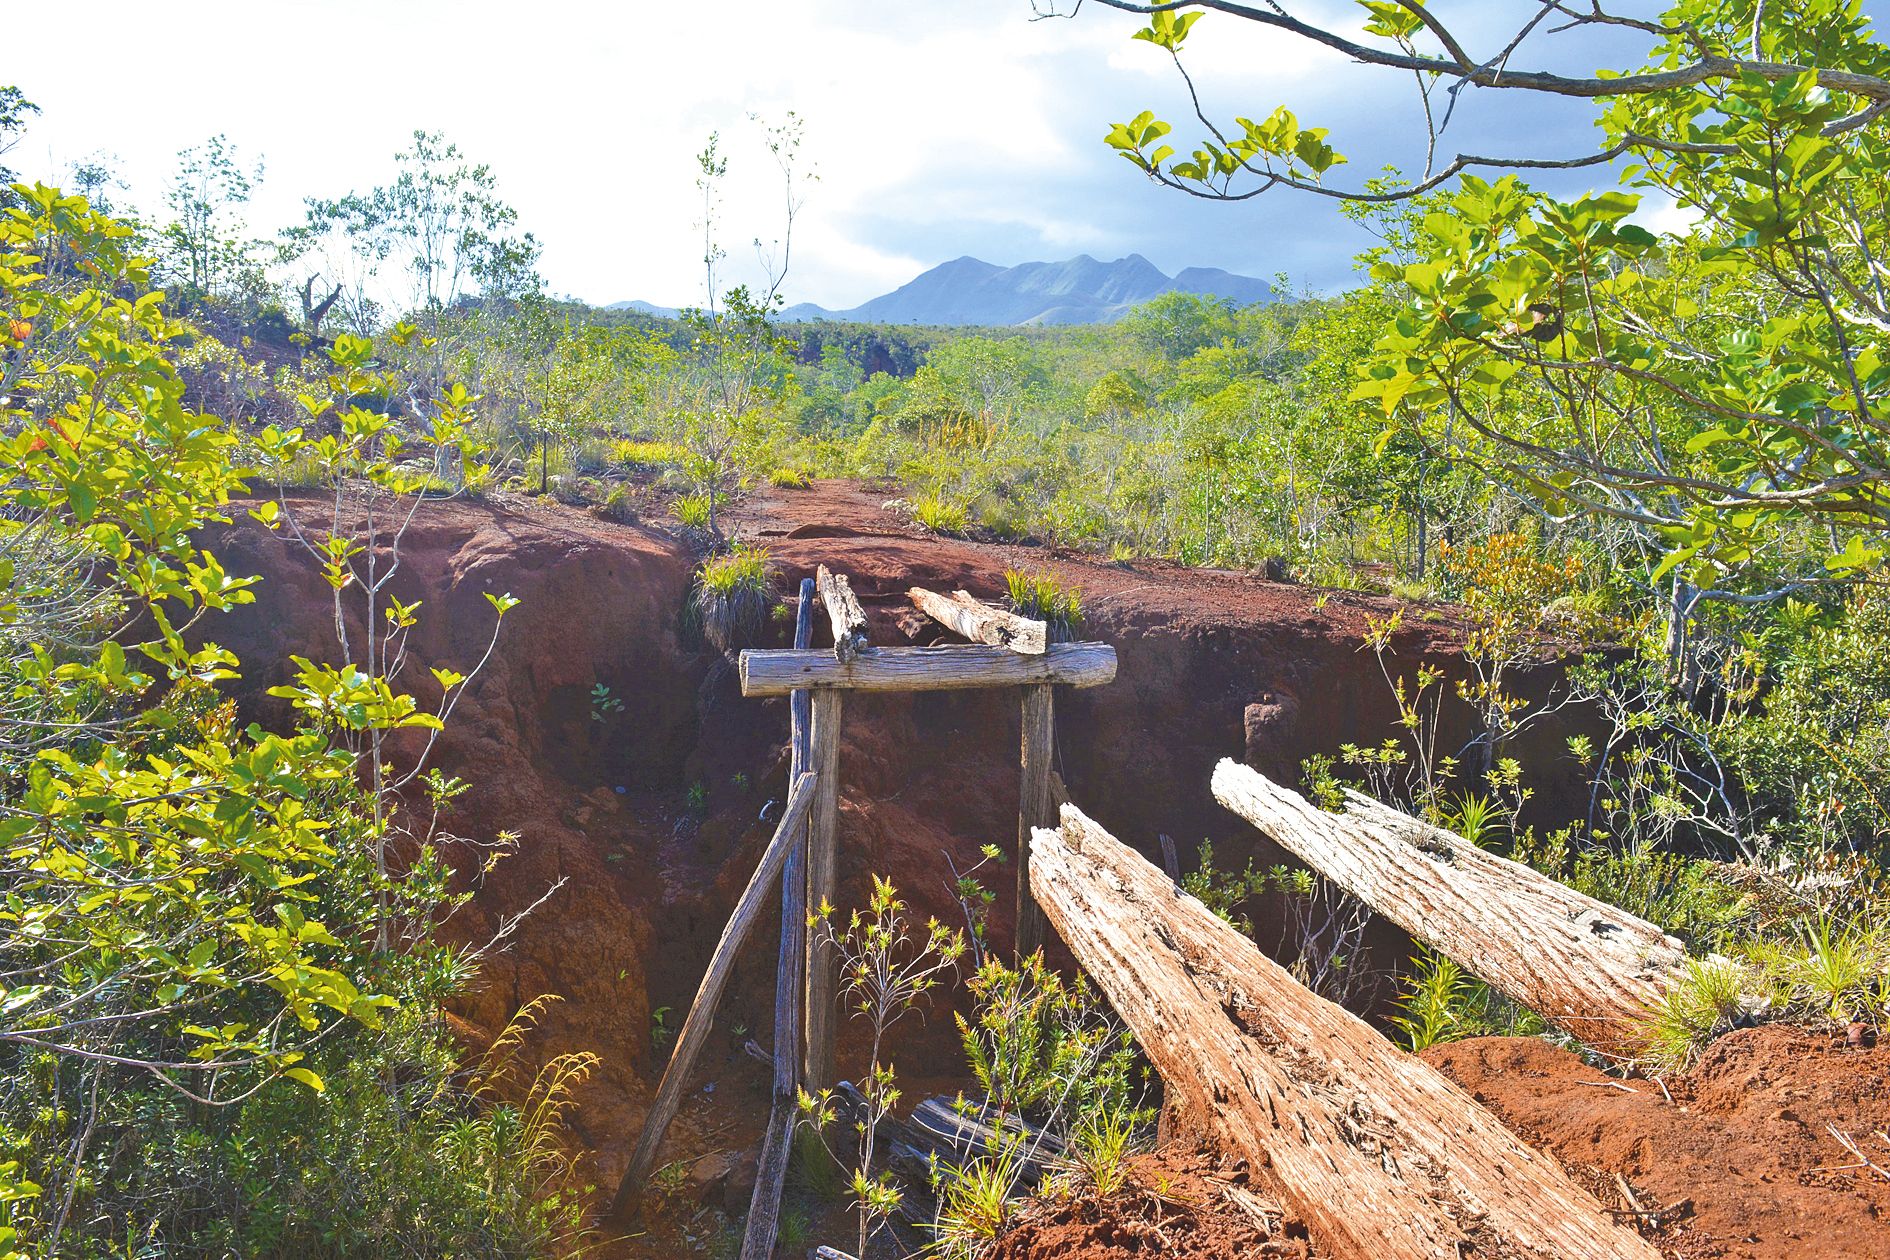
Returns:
<point x="789" y="479"/>
<point x="732" y="596"/>
<point x="1043" y="598"/>
<point x="941" y="516"/>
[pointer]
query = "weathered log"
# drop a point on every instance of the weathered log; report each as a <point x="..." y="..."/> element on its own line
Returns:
<point x="823" y="873"/>
<point x="843" y="609"/>
<point x="939" y="1135"/>
<point x="695" y="1028"/>
<point x="956" y="667"/>
<point x="1037" y="806"/>
<point x="1380" y="1154"/>
<point x="1587" y="967"/>
<point x="980" y="622"/>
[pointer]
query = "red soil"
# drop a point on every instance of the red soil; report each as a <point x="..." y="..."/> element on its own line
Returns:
<point x="1741" y="1163"/>
<point x="1175" y="1206"/>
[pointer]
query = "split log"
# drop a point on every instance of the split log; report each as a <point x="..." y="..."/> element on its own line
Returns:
<point x="843" y="609"/>
<point x="957" y="667"/>
<point x="980" y="622"/>
<point x="1379" y="1153"/>
<point x="695" y="1028"/>
<point x="1589" y="968"/>
<point x="764" y="1206"/>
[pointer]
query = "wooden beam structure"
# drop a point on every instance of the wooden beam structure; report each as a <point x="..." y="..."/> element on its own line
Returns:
<point x="1378" y="1152"/>
<point x="780" y="671"/>
<point x="695" y="1028"/>
<point x="843" y="609"/>
<point x="1587" y="967"/>
<point x="980" y="622"/>
<point x="790" y="982"/>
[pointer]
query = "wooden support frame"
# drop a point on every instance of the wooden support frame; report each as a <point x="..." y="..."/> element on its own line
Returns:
<point x="695" y="1029"/>
<point x="843" y="609"/>
<point x="781" y="671"/>
<point x="980" y="622"/>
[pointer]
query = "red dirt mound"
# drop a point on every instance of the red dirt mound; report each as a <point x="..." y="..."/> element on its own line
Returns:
<point x="1741" y="1164"/>
<point x="1175" y="1206"/>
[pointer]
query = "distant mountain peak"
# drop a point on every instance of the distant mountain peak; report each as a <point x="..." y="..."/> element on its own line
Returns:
<point x="1079" y="290"/>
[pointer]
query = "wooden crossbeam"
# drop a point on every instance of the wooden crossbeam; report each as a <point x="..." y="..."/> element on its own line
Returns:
<point x="779" y="671"/>
<point x="695" y="1029"/>
<point x="980" y="622"/>
<point x="843" y="609"/>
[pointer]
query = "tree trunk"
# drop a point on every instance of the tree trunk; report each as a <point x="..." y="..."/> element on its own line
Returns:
<point x="1589" y="968"/>
<point x="1378" y="1152"/>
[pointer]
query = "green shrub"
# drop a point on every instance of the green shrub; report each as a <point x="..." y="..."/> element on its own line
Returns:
<point x="1043" y="598"/>
<point x="789" y="479"/>
<point x="940" y="515"/>
<point x="732" y="596"/>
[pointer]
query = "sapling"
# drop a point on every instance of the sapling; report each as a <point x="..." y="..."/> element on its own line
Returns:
<point x="887" y="965"/>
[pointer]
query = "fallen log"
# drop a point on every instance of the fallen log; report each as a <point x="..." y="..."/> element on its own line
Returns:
<point x="1376" y="1151"/>
<point x="778" y="671"/>
<point x="980" y="622"/>
<point x="843" y="609"/>
<point x="1589" y="968"/>
<point x="696" y="1025"/>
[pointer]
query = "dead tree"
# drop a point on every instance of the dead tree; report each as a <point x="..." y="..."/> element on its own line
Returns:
<point x="1379" y="1153"/>
<point x="1591" y="969"/>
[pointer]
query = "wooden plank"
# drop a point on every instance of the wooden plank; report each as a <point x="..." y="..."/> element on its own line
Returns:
<point x="843" y="609"/>
<point x="823" y="872"/>
<point x="980" y="622"/>
<point x="1378" y="1152"/>
<point x="778" y="671"/>
<point x="695" y="1029"/>
<point x="1591" y="969"/>
<point x="1037" y="806"/>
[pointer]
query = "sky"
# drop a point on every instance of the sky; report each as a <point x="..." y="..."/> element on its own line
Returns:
<point x="937" y="128"/>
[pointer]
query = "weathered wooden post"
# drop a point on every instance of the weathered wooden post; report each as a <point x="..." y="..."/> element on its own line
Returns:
<point x="790" y="982"/>
<point x="1037" y="806"/>
<point x="823" y="874"/>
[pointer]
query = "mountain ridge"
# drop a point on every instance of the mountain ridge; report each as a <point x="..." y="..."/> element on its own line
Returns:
<point x="968" y="291"/>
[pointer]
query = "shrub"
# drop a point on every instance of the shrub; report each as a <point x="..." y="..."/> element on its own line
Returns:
<point x="940" y="515"/>
<point x="1045" y="599"/>
<point x="789" y="479"/>
<point x="732" y="595"/>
